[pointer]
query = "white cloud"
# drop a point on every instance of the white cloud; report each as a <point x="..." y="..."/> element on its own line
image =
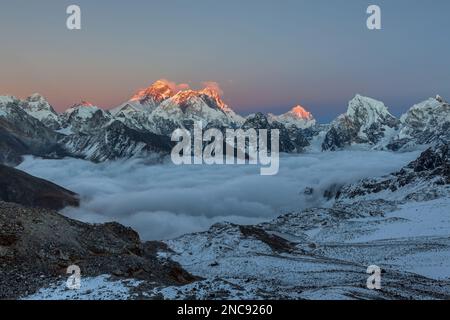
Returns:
<point x="164" y="201"/>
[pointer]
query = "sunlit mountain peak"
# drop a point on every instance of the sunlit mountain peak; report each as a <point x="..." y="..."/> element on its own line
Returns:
<point x="301" y="113"/>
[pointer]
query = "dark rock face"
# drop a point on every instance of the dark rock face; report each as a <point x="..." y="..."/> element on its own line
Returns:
<point x="12" y="148"/>
<point x="85" y="121"/>
<point x="433" y="159"/>
<point x="116" y="141"/>
<point x="347" y="131"/>
<point x="96" y="138"/>
<point x="366" y="122"/>
<point x="430" y="170"/>
<point x="273" y="241"/>
<point x="290" y="140"/>
<point x="340" y="136"/>
<point x="37" y="246"/>
<point x="427" y="123"/>
<point x="18" y="187"/>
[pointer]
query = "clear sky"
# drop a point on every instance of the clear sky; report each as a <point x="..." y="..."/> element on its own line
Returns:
<point x="267" y="55"/>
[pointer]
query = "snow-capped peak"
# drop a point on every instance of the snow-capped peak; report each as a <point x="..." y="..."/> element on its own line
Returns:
<point x="191" y="105"/>
<point x="84" y="117"/>
<point x="368" y="107"/>
<point x="83" y="110"/>
<point x="215" y="95"/>
<point x="37" y="103"/>
<point x="423" y="109"/>
<point x="207" y="98"/>
<point x="367" y="121"/>
<point x="146" y="100"/>
<point x="440" y="100"/>
<point x="183" y="97"/>
<point x="425" y="121"/>
<point x="83" y="103"/>
<point x="36" y="97"/>
<point x="297" y="117"/>
<point x="158" y="91"/>
<point x="300" y="112"/>
<point x="7" y="99"/>
<point x="38" y="107"/>
<point x="4" y="100"/>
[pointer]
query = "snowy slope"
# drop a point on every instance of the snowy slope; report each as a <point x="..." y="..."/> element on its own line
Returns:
<point x="324" y="253"/>
<point x="292" y="258"/>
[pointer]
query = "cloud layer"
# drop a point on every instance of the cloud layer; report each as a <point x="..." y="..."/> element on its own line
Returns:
<point x="164" y="201"/>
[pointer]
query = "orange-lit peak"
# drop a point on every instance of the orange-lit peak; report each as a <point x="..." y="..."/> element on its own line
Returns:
<point x="300" y="112"/>
<point x="214" y="93"/>
<point x="83" y="103"/>
<point x="159" y="91"/>
<point x="164" y="89"/>
<point x="183" y="96"/>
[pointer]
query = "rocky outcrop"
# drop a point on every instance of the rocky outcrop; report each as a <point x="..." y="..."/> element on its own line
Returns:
<point x="291" y="140"/>
<point x="37" y="246"/>
<point x="22" y="134"/>
<point x="117" y="141"/>
<point x="19" y="187"/>
<point x="427" y="123"/>
<point x="426" y="178"/>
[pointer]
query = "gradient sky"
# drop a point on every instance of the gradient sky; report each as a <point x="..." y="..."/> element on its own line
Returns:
<point x="267" y="55"/>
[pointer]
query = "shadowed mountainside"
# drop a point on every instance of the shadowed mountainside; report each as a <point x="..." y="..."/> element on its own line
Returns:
<point x="19" y="187"/>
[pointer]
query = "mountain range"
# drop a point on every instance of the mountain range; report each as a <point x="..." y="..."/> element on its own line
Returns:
<point x="141" y="127"/>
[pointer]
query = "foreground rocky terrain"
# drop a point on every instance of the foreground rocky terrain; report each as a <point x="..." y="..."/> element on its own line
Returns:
<point x="38" y="245"/>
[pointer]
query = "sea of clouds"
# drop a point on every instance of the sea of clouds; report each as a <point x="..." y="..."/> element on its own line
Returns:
<point x="164" y="201"/>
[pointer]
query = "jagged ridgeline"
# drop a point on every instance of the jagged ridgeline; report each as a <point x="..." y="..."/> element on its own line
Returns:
<point x="142" y="126"/>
